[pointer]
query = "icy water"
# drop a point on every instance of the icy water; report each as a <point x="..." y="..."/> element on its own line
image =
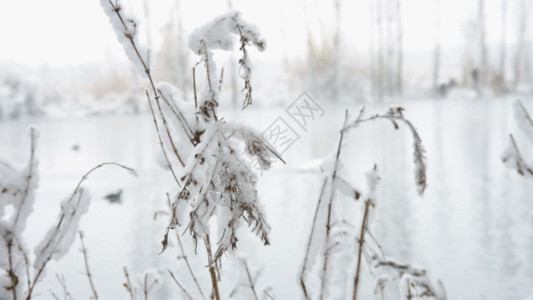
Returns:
<point x="471" y="229"/>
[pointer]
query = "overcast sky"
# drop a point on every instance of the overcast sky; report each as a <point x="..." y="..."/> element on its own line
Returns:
<point x="73" y="32"/>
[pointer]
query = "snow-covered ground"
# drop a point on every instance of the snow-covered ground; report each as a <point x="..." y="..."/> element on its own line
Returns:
<point x="471" y="229"/>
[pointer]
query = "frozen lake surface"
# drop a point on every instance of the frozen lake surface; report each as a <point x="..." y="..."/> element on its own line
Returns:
<point x="471" y="229"/>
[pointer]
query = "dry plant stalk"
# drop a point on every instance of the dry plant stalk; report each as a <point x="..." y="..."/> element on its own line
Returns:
<point x="86" y="262"/>
<point x="215" y="179"/>
<point x="18" y="190"/>
<point x="127" y="285"/>
<point x="332" y="182"/>
<point x="63" y="283"/>
<point x="181" y="287"/>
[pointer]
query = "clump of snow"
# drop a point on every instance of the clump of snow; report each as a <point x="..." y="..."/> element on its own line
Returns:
<point x="17" y="190"/>
<point x="57" y="241"/>
<point x="126" y="29"/>
<point x="219" y="34"/>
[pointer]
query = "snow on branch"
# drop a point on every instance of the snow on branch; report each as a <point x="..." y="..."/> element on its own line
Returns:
<point x="414" y="283"/>
<point x="17" y="191"/>
<point x="321" y="240"/>
<point x="126" y="28"/>
<point x="395" y="115"/>
<point x="219" y="34"/>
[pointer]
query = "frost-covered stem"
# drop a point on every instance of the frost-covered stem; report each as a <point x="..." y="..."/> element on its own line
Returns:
<point x="86" y="262"/>
<point x="128" y="285"/>
<point x="183" y="122"/>
<point x="207" y="68"/>
<point x="308" y="249"/>
<point x="162" y="145"/>
<point x="330" y="210"/>
<point x="116" y="9"/>
<point x="47" y="259"/>
<point x="184" y="256"/>
<point x="24" y="196"/>
<point x="18" y="211"/>
<point x="395" y="115"/>
<point x="46" y="248"/>
<point x="243" y="62"/>
<point x="250" y="280"/>
<point x="180" y="286"/>
<point x="11" y="235"/>
<point x="185" y="126"/>
<point x="211" y="263"/>
<point x="361" y="243"/>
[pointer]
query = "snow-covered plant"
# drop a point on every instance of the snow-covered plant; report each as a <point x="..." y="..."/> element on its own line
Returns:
<point x="19" y="270"/>
<point x="323" y="239"/>
<point x="208" y="157"/>
<point x="414" y="283"/>
<point x="511" y="156"/>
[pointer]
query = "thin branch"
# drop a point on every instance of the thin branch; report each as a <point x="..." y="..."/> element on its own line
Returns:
<point x="310" y="240"/>
<point x="364" y="225"/>
<point x="180" y="286"/>
<point x="250" y="280"/>
<point x="87" y="271"/>
<point x="63" y="283"/>
<point x="214" y="282"/>
<point x="184" y="256"/>
<point x="330" y="209"/>
<point x="128" y="285"/>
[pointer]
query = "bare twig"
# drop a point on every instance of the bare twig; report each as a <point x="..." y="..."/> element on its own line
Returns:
<point x="180" y="286"/>
<point x="250" y="280"/>
<point x="311" y="235"/>
<point x="330" y="210"/>
<point x="63" y="283"/>
<point x="128" y="285"/>
<point x="76" y="193"/>
<point x="185" y="258"/>
<point x="361" y="241"/>
<point x="87" y="271"/>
